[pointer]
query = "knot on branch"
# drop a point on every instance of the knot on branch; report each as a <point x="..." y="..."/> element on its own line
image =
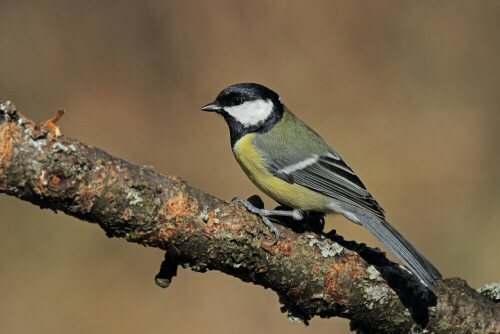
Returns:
<point x="168" y="270"/>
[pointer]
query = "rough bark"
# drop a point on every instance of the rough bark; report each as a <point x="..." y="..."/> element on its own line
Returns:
<point x="313" y="274"/>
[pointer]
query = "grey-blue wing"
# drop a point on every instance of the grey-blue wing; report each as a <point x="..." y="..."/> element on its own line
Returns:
<point x="330" y="175"/>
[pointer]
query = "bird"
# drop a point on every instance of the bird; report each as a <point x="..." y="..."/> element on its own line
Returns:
<point x="293" y="165"/>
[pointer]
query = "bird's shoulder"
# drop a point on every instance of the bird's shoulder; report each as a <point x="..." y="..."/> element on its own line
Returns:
<point x="291" y="140"/>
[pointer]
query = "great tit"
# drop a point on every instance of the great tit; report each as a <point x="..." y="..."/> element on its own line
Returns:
<point x="292" y="164"/>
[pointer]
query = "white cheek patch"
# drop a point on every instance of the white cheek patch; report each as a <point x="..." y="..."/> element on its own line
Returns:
<point x="251" y="112"/>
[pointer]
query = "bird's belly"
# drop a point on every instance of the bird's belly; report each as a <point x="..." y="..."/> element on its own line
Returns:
<point x="289" y="194"/>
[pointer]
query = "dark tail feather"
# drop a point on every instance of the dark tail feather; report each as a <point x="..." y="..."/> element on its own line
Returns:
<point x="399" y="246"/>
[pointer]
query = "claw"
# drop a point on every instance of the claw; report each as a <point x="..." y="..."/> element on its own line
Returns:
<point x="273" y="230"/>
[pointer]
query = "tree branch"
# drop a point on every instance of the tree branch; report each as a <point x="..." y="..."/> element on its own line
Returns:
<point x="312" y="273"/>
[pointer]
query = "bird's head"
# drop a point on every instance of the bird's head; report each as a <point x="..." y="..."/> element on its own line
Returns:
<point x="247" y="107"/>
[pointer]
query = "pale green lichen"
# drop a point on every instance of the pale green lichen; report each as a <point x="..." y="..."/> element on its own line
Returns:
<point x="204" y="215"/>
<point x="216" y="212"/>
<point x="5" y="105"/>
<point x="135" y="197"/>
<point x="57" y="147"/>
<point x="327" y="249"/>
<point x="60" y="147"/>
<point x="374" y="274"/>
<point x="375" y="294"/>
<point x="296" y="320"/>
<point x="492" y="291"/>
<point x="38" y="144"/>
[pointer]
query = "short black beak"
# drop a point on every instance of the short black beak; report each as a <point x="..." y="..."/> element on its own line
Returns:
<point x="211" y="107"/>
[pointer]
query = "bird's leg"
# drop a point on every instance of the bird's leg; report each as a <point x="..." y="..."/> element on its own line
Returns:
<point x="295" y="213"/>
<point x="264" y="214"/>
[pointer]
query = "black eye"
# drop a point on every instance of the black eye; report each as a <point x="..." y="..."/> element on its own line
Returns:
<point x="236" y="101"/>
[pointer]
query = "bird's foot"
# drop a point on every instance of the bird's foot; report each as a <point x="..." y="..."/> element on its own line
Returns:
<point x="295" y="214"/>
<point x="311" y="221"/>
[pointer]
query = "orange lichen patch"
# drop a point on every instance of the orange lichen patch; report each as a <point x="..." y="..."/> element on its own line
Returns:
<point x="347" y="266"/>
<point x="106" y="176"/>
<point x="86" y="197"/>
<point x="354" y="268"/>
<point x="175" y="179"/>
<point x="215" y="227"/>
<point x="168" y="234"/>
<point x="285" y="248"/>
<point x="282" y="247"/>
<point x="9" y="132"/>
<point x="171" y="220"/>
<point x="110" y="197"/>
<point x="84" y="200"/>
<point x="99" y="190"/>
<point x="109" y="175"/>
<point x="178" y="205"/>
<point x="173" y="233"/>
<point x="333" y="281"/>
<point x="127" y="213"/>
<point x="267" y="247"/>
<point x="354" y="273"/>
<point x="315" y="269"/>
<point x="261" y="270"/>
<point x="332" y="286"/>
<point x="154" y="238"/>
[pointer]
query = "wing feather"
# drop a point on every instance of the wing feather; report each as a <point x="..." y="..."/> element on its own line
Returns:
<point x="331" y="176"/>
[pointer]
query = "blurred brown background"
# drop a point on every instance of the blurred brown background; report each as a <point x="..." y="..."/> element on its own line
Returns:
<point x="407" y="92"/>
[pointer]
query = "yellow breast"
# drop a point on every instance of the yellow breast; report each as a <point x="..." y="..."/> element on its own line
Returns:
<point x="292" y="195"/>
